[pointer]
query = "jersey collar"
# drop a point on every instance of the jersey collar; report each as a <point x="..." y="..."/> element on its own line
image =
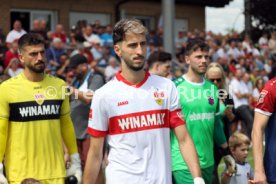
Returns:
<point x="119" y="77"/>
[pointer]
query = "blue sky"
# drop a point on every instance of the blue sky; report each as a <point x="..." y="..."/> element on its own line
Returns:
<point x="231" y="16"/>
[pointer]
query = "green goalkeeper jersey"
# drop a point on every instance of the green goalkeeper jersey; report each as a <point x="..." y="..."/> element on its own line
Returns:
<point x="200" y="106"/>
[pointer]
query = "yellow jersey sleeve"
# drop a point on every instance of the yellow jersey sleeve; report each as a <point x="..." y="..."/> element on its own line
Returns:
<point x="67" y="128"/>
<point x="4" y="122"/>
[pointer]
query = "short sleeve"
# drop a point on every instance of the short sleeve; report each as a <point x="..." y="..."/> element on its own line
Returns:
<point x="176" y="114"/>
<point x="4" y="104"/>
<point x="267" y="100"/>
<point x="98" y="116"/>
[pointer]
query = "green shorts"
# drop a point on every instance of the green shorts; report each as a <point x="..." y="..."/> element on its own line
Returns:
<point x="185" y="177"/>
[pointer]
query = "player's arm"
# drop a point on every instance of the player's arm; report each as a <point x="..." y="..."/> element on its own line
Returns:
<point x="188" y="150"/>
<point x="242" y="95"/>
<point x="219" y="135"/>
<point x="259" y="124"/>
<point x="3" y="140"/>
<point x="220" y="140"/>
<point x="4" y="126"/>
<point x="3" y="137"/>
<point x="94" y="160"/>
<point x="68" y="133"/>
<point x="67" y="128"/>
<point x="69" y="138"/>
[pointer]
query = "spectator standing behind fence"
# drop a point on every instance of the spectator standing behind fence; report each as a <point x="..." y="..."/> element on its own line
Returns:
<point x="239" y="146"/>
<point x="35" y="121"/>
<point x="140" y="151"/>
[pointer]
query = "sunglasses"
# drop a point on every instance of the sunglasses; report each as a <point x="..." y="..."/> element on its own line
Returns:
<point x="213" y="80"/>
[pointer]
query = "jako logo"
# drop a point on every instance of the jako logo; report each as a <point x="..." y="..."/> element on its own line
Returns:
<point x="122" y="103"/>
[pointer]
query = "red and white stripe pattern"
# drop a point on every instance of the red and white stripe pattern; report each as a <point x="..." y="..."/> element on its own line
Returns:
<point x="137" y="122"/>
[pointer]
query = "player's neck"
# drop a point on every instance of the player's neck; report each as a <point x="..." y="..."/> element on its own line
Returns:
<point x="34" y="77"/>
<point x="134" y="77"/>
<point x="153" y="71"/>
<point x="193" y="77"/>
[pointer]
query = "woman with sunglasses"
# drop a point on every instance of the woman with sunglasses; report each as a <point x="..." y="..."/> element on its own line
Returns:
<point x="256" y="91"/>
<point x="215" y="74"/>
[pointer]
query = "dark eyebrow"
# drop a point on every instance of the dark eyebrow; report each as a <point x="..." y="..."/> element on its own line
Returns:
<point x="132" y="44"/>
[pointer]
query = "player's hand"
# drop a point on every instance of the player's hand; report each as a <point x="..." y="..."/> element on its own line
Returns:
<point x="75" y="167"/>
<point x="67" y="160"/>
<point x="230" y="164"/>
<point x="3" y="179"/>
<point x="259" y="178"/>
<point x="198" y="180"/>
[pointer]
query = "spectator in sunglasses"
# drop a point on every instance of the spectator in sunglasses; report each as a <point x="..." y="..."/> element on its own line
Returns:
<point x="215" y="74"/>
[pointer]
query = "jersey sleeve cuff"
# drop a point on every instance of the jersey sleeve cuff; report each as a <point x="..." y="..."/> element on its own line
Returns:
<point x="263" y="112"/>
<point x="96" y="133"/>
<point x="176" y="118"/>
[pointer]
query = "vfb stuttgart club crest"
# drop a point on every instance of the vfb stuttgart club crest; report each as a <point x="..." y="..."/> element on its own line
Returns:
<point x="39" y="98"/>
<point x="159" y="96"/>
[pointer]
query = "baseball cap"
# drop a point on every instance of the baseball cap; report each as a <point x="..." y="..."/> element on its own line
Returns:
<point x="77" y="60"/>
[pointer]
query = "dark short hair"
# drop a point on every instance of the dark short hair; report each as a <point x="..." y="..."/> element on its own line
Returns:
<point x="77" y="60"/>
<point x="30" y="181"/>
<point x="124" y="26"/>
<point x="30" y="39"/>
<point x="195" y="44"/>
<point x="161" y="57"/>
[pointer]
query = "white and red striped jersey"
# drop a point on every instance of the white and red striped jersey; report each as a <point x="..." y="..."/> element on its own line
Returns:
<point x="136" y="120"/>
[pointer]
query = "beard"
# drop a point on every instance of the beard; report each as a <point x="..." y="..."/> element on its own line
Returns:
<point x="133" y="66"/>
<point x="37" y="68"/>
<point x="199" y="71"/>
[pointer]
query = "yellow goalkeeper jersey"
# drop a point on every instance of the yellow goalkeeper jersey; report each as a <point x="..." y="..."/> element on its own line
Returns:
<point x="32" y="111"/>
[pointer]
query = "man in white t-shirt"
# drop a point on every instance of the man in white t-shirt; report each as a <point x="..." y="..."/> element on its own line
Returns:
<point x="112" y="68"/>
<point x="16" y="33"/>
<point x="241" y="94"/>
<point x="135" y="112"/>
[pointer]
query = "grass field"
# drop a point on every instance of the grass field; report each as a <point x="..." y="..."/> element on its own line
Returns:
<point x="249" y="160"/>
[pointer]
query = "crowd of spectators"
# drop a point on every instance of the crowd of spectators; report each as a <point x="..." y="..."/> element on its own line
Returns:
<point x="94" y="41"/>
<point x="252" y="62"/>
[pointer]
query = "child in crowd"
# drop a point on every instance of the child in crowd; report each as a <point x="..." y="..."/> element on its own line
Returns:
<point x="239" y="146"/>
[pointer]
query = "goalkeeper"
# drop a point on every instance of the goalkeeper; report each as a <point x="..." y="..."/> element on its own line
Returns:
<point x="200" y="106"/>
<point x="34" y="122"/>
